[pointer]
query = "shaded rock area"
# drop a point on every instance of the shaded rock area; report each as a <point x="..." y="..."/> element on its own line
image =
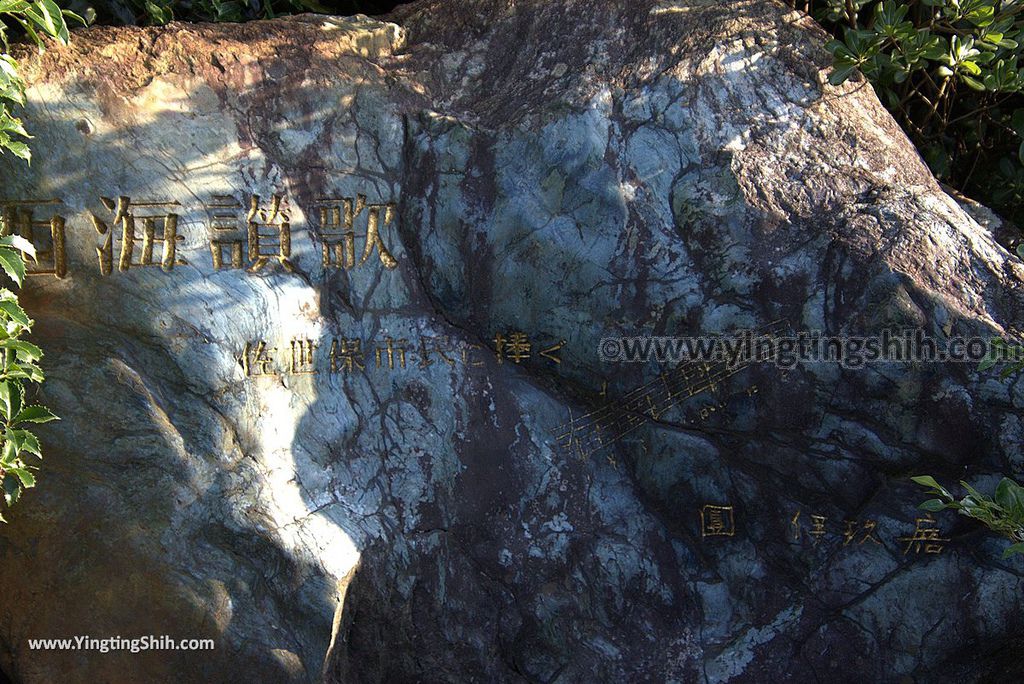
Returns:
<point x="396" y="506"/>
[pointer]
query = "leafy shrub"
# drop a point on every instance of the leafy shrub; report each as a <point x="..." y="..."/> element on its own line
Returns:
<point x="1011" y="355"/>
<point x="32" y="17"/>
<point x="38" y="19"/>
<point x="1002" y="513"/>
<point x="19" y="360"/>
<point x="951" y="73"/>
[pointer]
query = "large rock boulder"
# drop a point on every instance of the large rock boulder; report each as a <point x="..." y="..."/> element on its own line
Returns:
<point x="394" y="504"/>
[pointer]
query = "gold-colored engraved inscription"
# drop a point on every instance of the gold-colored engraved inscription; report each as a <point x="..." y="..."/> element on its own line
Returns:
<point x="516" y="347"/>
<point x="125" y="214"/>
<point x="815" y="531"/>
<point x="926" y="537"/>
<point x="338" y="217"/>
<point x="20" y="218"/>
<point x="223" y="213"/>
<point x="866" y="530"/>
<point x="347" y="355"/>
<point x="392" y="350"/>
<point x="717" y="521"/>
<point x="252" y="234"/>
<point x="257" y="359"/>
<point x="439" y="346"/>
<point x="302" y="359"/>
<point x="467" y="352"/>
<point x="338" y="231"/>
<point x="373" y="239"/>
<point x="268" y="233"/>
<point x="551" y="353"/>
<point x="269" y="229"/>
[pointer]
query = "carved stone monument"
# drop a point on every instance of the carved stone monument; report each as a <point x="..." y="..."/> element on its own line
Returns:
<point x="323" y="302"/>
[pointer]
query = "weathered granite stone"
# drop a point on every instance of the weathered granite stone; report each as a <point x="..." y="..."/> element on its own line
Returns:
<point x="573" y="170"/>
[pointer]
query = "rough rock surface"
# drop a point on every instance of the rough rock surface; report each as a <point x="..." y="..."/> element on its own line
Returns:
<point x="569" y="169"/>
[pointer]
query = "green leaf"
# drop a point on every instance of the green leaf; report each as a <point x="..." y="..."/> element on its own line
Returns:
<point x="972" y="83"/>
<point x="28" y="480"/>
<point x="8" y="124"/>
<point x="18" y="243"/>
<point x="974" y="493"/>
<point x="9" y="453"/>
<point x="19" y="149"/>
<point x="13" y="310"/>
<point x="34" y="414"/>
<point x="10" y="398"/>
<point x="840" y="73"/>
<point x="12" y="490"/>
<point x="1012" y="549"/>
<point x="933" y="505"/>
<point x="1010" y="496"/>
<point x="48" y="16"/>
<point x="30" y="30"/>
<point x="982" y="16"/>
<point x="26" y="351"/>
<point x="929" y="481"/>
<point x="1020" y="250"/>
<point x="32" y="372"/>
<point x="26" y="441"/>
<point x="12" y="264"/>
<point x="75" y="17"/>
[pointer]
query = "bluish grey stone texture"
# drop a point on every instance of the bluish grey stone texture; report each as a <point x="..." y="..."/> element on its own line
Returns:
<point x="570" y="170"/>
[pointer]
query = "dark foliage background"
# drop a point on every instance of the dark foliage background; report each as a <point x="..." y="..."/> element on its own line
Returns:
<point x="952" y="74"/>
